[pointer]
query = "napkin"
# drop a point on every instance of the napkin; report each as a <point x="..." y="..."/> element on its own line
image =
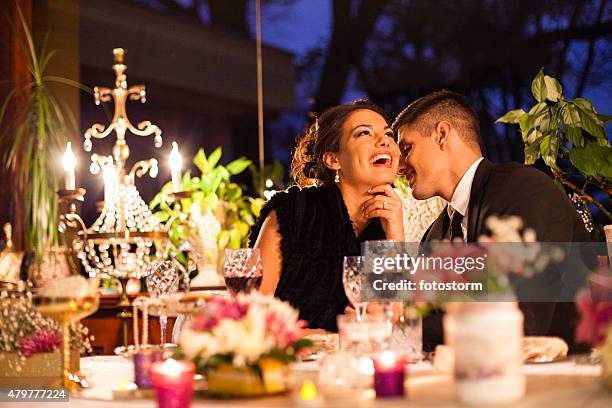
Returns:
<point x="543" y="349"/>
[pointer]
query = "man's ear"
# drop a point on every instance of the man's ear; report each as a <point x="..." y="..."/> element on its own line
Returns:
<point x="443" y="129"/>
<point x="330" y="159"/>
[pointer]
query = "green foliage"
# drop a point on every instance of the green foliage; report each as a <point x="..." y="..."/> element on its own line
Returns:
<point x="556" y="129"/>
<point x="274" y="172"/>
<point x="212" y="190"/>
<point x="36" y="142"/>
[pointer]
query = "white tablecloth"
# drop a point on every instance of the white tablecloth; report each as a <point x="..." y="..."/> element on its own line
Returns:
<point x="562" y="384"/>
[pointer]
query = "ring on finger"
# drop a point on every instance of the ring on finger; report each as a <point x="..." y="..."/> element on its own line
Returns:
<point x="384" y="205"/>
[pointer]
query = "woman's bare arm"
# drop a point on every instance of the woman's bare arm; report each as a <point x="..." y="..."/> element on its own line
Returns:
<point x="268" y="242"/>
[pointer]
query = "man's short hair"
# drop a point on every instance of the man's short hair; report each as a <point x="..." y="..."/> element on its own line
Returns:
<point x="426" y="112"/>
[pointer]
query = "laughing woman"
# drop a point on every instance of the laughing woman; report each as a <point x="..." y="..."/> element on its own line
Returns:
<point x="343" y="166"/>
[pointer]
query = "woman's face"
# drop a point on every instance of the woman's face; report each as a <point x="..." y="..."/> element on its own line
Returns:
<point x="368" y="153"/>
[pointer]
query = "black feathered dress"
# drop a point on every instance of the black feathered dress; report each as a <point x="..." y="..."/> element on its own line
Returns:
<point x="316" y="233"/>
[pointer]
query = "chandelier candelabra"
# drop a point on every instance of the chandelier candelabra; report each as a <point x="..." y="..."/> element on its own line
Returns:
<point x="126" y="235"/>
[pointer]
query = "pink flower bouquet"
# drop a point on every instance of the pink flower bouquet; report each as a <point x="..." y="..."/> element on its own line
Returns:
<point x="242" y="332"/>
<point x="595" y="309"/>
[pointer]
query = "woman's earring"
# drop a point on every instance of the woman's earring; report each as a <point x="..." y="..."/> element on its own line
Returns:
<point x="337" y="177"/>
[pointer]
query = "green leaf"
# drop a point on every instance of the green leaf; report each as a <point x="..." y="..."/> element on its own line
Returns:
<point x="574" y="135"/>
<point x="238" y="166"/>
<point x="214" y="157"/>
<point x="584" y="104"/>
<point x="588" y="123"/>
<point x="223" y="239"/>
<point x="592" y="160"/>
<point x="532" y="150"/>
<point x="604" y="118"/>
<point x="511" y="117"/>
<point x="538" y="87"/>
<point x="162" y="216"/>
<point x="549" y="148"/>
<point x="553" y="88"/>
<point x="235" y="238"/>
<point x="526" y="123"/>
<point x="201" y="162"/>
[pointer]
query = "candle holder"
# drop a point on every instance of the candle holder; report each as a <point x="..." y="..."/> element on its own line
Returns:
<point x="389" y="375"/>
<point x="173" y="381"/>
<point x="143" y="360"/>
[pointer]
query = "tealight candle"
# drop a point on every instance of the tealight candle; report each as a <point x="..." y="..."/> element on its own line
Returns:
<point x="176" y="163"/>
<point x="389" y="375"/>
<point x="173" y="382"/>
<point x="143" y="360"/>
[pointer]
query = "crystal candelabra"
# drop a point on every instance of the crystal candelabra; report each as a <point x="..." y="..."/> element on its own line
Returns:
<point x="126" y="235"/>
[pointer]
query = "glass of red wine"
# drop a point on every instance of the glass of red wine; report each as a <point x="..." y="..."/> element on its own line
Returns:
<point x="242" y="270"/>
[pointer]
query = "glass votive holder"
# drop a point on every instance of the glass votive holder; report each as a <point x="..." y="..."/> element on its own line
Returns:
<point x="389" y="375"/>
<point x="371" y="333"/>
<point x="173" y="382"/>
<point x="143" y="360"/>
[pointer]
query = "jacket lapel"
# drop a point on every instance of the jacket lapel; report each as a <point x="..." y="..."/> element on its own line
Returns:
<point x="475" y="204"/>
<point x="438" y="228"/>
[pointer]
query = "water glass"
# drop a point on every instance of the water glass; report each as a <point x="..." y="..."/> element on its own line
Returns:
<point x="407" y="337"/>
<point x="352" y="280"/>
<point x="162" y="280"/>
<point x="371" y="333"/>
<point x="242" y="269"/>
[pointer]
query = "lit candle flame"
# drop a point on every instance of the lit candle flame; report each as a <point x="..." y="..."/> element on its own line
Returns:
<point x="69" y="163"/>
<point x="176" y="163"/>
<point x="308" y="391"/>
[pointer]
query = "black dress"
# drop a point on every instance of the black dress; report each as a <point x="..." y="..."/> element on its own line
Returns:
<point x="316" y="233"/>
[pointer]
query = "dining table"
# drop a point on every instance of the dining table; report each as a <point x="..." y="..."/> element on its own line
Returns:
<point x="574" y="382"/>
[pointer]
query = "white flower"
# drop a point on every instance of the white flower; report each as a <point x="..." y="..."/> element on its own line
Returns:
<point x="198" y="343"/>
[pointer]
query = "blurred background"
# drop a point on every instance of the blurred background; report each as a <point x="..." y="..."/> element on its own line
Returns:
<point x="197" y="59"/>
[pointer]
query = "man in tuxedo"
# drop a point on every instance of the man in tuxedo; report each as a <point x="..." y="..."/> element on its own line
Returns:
<point x="439" y="138"/>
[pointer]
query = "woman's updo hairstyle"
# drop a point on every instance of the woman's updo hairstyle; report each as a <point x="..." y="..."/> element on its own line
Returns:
<point x="307" y="166"/>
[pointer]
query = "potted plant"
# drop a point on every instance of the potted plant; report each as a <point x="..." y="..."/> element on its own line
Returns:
<point x="36" y="141"/>
<point x="570" y="137"/>
<point x="243" y="345"/>
<point x="30" y="343"/>
<point x="217" y="215"/>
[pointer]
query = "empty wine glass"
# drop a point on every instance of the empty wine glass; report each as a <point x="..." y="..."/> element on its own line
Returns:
<point x="352" y="277"/>
<point x="162" y="280"/>
<point x="242" y="270"/>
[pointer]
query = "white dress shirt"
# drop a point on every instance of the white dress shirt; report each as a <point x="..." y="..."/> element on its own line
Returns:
<point x="461" y="196"/>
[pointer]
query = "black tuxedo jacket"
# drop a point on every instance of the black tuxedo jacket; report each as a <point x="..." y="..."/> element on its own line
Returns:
<point x="515" y="189"/>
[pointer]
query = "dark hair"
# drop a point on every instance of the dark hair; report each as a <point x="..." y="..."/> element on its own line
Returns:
<point x="424" y="114"/>
<point x="307" y="166"/>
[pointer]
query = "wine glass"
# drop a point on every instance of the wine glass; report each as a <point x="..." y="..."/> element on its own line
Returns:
<point x="242" y="270"/>
<point x="352" y="280"/>
<point x="162" y="280"/>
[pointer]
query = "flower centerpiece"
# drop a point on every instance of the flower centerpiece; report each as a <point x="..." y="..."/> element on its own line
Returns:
<point x="244" y="345"/>
<point x="595" y="326"/>
<point x="30" y="343"/>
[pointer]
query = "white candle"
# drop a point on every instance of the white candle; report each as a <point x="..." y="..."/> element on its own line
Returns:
<point x="69" y="162"/>
<point x="109" y="183"/>
<point x="176" y="163"/>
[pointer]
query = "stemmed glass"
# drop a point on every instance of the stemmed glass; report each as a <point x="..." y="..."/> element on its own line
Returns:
<point x="352" y="280"/>
<point x="162" y="280"/>
<point x="242" y="270"/>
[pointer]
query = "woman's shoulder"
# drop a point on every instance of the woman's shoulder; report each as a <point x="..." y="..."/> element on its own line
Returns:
<point x="295" y="195"/>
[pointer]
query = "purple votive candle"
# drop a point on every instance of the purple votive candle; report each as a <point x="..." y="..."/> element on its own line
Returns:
<point x="389" y="375"/>
<point x="143" y="360"/>
<point x="173" y="382"/>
